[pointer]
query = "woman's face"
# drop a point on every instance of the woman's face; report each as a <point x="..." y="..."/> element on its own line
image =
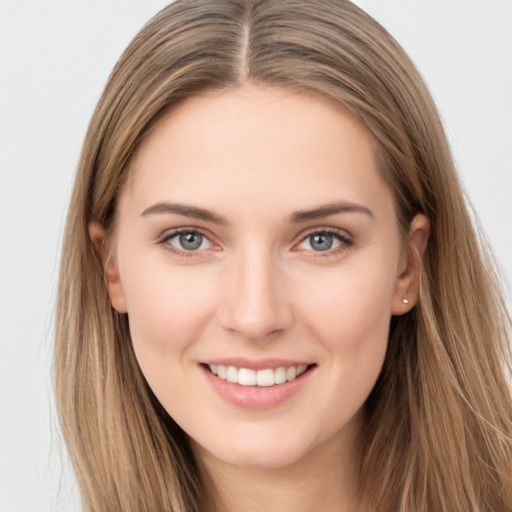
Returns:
<point x="257" y="241"/>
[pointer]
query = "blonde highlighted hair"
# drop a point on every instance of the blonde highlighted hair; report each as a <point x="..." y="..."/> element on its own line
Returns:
<point x="439" y="421"/>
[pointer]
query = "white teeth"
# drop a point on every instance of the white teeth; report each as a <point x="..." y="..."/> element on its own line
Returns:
<point x="280" y="375"/>
<point x="291" y="373"/>
<point x="265" y="378"/>
<point x="246" y="377"/>
<point x="221" y="371"/>
<point x="232" y="374"/>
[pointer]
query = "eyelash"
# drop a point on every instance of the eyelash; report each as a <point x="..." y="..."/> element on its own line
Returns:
<point x="346" y="242"/>
<point x="183" y="253"/>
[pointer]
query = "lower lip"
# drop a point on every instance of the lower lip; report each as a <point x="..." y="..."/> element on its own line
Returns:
<point x="256" y="397"/>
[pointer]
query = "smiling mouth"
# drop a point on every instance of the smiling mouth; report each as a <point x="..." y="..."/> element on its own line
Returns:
<point x="266" y="377"/>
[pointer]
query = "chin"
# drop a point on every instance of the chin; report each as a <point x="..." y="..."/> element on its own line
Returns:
<point x="262" y="458"/>
<point x="261" y="449"/>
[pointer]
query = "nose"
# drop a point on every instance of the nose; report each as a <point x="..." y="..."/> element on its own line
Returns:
<point x="256" y="305"/>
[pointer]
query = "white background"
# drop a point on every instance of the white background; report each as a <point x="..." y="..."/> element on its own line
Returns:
<point x="55" y="57"/>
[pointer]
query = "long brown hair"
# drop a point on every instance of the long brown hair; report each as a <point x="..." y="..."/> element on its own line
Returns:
<point x="439" y="430"/>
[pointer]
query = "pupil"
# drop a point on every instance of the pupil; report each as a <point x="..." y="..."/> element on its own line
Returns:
<point x="191" y="241"/>
<point x="321" y="242"/>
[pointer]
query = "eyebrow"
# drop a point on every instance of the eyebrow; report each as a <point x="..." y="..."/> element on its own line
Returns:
<point x="185" y="210"/>
<point x="329" y="209"/>
<point x="297" y="217"/>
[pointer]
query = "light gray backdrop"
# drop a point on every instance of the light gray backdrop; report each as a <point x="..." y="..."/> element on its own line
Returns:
<point x="55" y="57"/>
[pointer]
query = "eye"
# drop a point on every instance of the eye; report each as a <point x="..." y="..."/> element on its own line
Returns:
<point x="322" y="241"/>
<point x="187" y="240"/>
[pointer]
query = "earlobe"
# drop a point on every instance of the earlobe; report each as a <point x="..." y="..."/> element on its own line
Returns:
<point x="408" y="279"/>
<point x="101" y="243"/>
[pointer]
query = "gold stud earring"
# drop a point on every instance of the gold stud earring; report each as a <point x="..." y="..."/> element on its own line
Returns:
<point x="405" y="301"/>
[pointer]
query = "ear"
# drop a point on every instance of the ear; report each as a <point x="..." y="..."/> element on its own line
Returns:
<point x="103" y="248"/>
<point x="407" y="285"/>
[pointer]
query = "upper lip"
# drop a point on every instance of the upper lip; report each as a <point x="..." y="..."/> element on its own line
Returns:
<point x="256" y="364"/>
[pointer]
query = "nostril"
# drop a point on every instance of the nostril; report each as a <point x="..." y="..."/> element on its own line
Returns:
<point x="259" y="322"/>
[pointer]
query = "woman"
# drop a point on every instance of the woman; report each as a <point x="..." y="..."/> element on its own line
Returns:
<point x="271" y="294"/>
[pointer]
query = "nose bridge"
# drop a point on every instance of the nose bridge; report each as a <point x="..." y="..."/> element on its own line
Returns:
<point x="256" y="304"/>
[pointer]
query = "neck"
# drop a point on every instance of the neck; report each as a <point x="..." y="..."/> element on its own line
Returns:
<point x="324" y="479"/>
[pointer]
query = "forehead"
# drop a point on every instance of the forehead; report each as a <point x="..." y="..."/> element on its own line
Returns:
<point x="267" y="145"/>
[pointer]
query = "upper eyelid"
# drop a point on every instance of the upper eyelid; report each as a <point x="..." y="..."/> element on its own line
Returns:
<point x="171" y="233"/>
<point x="342" y="233"/>
<point x="164" y="240"/>
<point x="346" y="242"/>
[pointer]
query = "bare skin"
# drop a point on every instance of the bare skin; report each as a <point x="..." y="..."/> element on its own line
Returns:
<point x="318" y="482"/>
<point x="256" y="232"/>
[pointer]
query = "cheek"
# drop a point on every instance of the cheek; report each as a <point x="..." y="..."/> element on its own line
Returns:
<point x="352" y="297"/>
<point x="168" y="309"/>
<point x="349" y="310"/>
